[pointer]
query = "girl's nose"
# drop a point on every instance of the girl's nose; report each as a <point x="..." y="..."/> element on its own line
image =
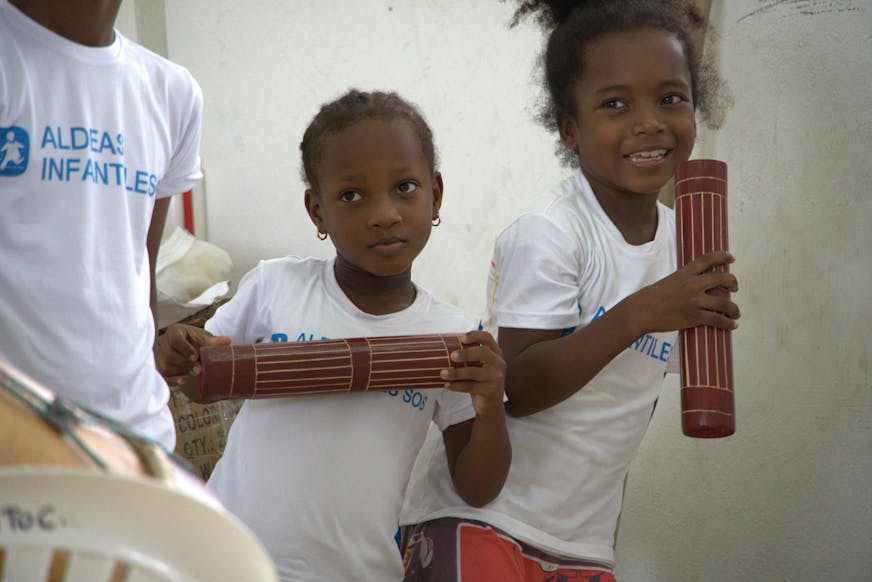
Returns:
<point x="647" y="121"/>
<point x="385" y="213"/>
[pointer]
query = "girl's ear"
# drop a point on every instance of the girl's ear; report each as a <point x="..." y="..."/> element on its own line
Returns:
<point x="568" y="132"/>
<point x="313" y="208"/>
<point x="438" y="187"/>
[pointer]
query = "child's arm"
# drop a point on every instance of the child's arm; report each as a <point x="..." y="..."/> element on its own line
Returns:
<point x="545" y="369"/>
<point x="478" y="450"/>
<point x="177" y="355"/>
<point x="152" y="246"/>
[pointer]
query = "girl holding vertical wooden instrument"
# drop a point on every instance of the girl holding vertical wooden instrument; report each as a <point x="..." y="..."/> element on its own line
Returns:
<point x="587" y="299"/>
<point x="320" y="478"/>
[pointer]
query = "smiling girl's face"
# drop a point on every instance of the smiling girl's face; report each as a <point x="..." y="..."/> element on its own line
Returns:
<point x="633" y="112"/>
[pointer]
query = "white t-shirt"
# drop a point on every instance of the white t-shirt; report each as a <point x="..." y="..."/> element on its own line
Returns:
<point x="560" y="267"/>
<point x="320" y="479"/>
<point x="89" y="138"/>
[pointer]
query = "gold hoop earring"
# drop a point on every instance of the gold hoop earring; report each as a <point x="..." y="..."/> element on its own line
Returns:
<point x="437" y="221"/>
<point x="321" y="235"/>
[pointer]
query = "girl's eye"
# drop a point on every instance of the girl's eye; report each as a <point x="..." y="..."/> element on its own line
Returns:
<point x="673" y="99"/>
<point x="407" y="187"/>
<point x="614" y="104"/>
<point x="349" y="195"/>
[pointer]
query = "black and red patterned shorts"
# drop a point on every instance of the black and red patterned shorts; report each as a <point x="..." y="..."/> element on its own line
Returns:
<point x="457" y="550"/>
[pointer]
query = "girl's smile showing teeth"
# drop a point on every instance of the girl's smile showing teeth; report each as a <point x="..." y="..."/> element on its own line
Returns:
<point x="648" y="157"/>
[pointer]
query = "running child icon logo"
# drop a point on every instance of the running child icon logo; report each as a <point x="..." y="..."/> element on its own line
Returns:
<point x="14" y="151"/>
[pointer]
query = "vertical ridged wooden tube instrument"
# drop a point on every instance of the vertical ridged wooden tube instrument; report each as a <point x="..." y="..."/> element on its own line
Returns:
<point x="707" y="398"/>
<point x="316" y="367"/>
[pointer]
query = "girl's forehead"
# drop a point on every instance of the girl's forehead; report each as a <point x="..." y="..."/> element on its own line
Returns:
<point x="371" y="142"/>
<point x="635" y="54"/>
<point x="382" y="124"/>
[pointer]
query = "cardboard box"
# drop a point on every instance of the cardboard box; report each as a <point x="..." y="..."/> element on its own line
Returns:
<point x="201" y="430"/>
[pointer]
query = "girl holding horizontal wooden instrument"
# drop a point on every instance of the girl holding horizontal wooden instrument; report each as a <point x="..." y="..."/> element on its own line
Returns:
<point x="320" y="478"/>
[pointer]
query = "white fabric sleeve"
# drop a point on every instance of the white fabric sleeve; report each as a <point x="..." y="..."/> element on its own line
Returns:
<point x="535" y="278"/>
<point x="452" y="408"/>
<point x="184" y="166"/>
<point x="238" y="318"/>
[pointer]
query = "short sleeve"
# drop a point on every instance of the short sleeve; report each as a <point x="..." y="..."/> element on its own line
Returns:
<point x="534" y="278"/>
<point x="452" y="408"/>
<point x="241" y="318"/>
<point x="184" y="165"/>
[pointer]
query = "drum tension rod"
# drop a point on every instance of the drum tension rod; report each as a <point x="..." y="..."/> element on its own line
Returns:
<point x="64" y="416"/>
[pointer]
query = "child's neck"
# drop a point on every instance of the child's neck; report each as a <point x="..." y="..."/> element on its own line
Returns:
<point x="373" y="294"/>
<point x="633" y="214"/>
<point x="88" y="23"/>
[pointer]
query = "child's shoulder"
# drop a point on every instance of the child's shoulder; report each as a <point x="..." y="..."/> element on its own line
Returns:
<point x="161" y="71"/>
<point x="567" y="208"/>
<point x="292" y="267"/>
<point x="445" y="317"/>
<point x="296" y="263"/>
<point x="565" y="191"/>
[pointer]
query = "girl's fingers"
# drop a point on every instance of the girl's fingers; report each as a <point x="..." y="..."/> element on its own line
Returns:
<point x="707" y="261"/>
<point x="721" y="305"/>
<point x="175" y="380"/>
<point x="177" y="343"/>
<point x="217" y="340"/>
<point x="183" y="350"/>
<point x="482" y="338"/>
<point x="458" y="375"/>
<point x="192" y="345"/>
<point x="719" y="320"/>
<point x="707" y="281"/>
<point x="485" y="353"/>
<point x="174" y="362"/>
<point x="472" y="374"/>
<point x="484" y="365"/>
<point x="467" y="386"/>
<point x="472" y="355"/>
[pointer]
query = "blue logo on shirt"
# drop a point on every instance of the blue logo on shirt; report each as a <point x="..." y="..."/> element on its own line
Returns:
<point x="414" y="398"/>
<point x="14" y="151"/>
<point x="649" y="345"/>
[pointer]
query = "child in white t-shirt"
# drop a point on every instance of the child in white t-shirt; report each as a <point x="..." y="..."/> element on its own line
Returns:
<point x="586" y="296"/>
<point x="97" y="134"/>
<point x="320" y="479"/>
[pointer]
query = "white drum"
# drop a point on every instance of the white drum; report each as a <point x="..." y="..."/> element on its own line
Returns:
<point x="84" y="500"/>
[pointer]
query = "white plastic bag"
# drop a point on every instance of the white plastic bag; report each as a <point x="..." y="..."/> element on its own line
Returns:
<point x="190" y="274"/>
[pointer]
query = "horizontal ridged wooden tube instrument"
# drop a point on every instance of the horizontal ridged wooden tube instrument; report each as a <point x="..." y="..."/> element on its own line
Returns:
<point x="707" y="398"/>
<point x="272" y="370"/>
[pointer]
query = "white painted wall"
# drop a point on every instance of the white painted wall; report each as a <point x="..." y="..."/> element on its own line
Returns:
<point x="266" y="67"/>
<point x="126" y="20"/>
<point x="787" y="497"/>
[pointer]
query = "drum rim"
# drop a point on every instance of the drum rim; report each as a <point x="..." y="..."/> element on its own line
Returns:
<point x="99" y="494"/>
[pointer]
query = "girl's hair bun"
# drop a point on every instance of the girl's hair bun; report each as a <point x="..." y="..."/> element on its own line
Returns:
<point x="547" y="13"/>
